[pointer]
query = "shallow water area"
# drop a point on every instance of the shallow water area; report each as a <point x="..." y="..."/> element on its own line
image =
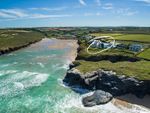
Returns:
<point x="31" y="81"/>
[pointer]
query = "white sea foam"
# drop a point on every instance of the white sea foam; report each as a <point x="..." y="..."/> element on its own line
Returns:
<point x="17" y="82"/>
<point x="15" y="63"/>
<point x="60" y="82"/>
<point x="65" y="66"/>
<point x="10" y="64"/>
<point x="41" y="64"/>
<point x="19" y="85"/>
<point x="11" y="54"/>
<point x="55" y="66"/>
<point x="5" y="65"/>
<point x="60" y="66"/>
<point x="5" y="72"/>
<point x="72" y="103"/>
<point x="37" y="80"/>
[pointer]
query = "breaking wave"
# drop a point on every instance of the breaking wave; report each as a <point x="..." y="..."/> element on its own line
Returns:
<point x="71" y="103"/>
<point x="17" y="82"/>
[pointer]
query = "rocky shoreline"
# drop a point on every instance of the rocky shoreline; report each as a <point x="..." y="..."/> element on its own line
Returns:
<point x="101" y="81"/>
<point x="107" y="81"/>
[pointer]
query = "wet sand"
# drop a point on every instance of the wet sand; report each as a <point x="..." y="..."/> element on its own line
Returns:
<point x="57" y="44"/>
<point x="71" y="46"/>
<point x="129" y="98"/>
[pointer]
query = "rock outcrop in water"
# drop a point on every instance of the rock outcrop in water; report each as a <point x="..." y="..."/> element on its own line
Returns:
<point x="97" y="98"/>
<point x="107" y="81"/>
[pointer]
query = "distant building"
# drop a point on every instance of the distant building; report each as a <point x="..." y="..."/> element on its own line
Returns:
<point x="88" y="37"/>
<point x="136" y="47"/>
<point x="121" y="46"/>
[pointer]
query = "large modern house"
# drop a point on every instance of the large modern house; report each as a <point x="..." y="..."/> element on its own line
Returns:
<point x="99" y="44"/>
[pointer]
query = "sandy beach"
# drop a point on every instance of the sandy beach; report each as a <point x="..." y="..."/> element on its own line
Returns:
<point x="69" y="45"/>
<point x="132" y="99"/>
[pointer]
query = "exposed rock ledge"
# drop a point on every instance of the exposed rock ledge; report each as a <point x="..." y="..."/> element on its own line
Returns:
<point x="107" y="81"/>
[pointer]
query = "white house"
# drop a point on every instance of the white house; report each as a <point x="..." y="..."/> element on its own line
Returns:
<point x="136" y="47"/>
<point x="99" y="44"/>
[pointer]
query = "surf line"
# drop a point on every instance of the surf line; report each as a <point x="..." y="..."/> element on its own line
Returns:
<point x="102" y="37"/>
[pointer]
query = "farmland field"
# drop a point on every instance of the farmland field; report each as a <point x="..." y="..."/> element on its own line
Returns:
<point x="107" y="34"/>
<point x="127" y="37"/>
<point x="145" y="54"/>
<point x="17" y="38"/>
<point x="134" y="37"/>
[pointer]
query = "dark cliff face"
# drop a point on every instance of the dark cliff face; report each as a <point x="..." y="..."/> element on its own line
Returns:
<point x="107" y="81"/>
<point x="112" y="58"/>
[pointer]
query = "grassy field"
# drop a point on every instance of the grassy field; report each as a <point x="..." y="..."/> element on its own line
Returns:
<point x="134" y="37"/>
<point x="107" y="34"/>
<point x="112" y="52"/>
<point x="145" y="54"/>
<point x="138" y="69"/>
<point x="127" y="37"/>
<point x="17" y="38"/>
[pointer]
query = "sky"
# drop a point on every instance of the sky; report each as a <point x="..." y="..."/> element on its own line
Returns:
<point x="64" y="13"/>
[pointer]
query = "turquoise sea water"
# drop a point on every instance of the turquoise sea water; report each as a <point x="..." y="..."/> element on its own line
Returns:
<point x="31" y="82"/>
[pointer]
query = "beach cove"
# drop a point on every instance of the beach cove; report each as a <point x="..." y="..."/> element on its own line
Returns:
<point x="31" y="81"/>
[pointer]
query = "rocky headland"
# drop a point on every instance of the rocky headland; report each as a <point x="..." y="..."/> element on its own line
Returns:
<point x="11" y="49"/>
<point x="107" y="81"/>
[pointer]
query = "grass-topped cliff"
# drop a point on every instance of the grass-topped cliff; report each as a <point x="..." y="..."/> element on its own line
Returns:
<point x="121" y="61"/>
<point x="11" y="39"/>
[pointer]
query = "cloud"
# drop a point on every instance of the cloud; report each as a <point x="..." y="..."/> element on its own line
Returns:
<point x="15" y="12"/>
<point x="42" y="16"/>
<point x="88" y="14"/>
<point x="98" y="2"/>
<point x="12" y="13"/>
<point x="125" y="12"/>
<point x="82" y="2"/>
<point x="130" y="13"/>
<point x="4" y="15"/>
<point x="99" y="14"/>
<point x="145" y="1"/>
<point x="93" y="14"/>
<point x="49" y="9"/>
<point x="108" y="6"/>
